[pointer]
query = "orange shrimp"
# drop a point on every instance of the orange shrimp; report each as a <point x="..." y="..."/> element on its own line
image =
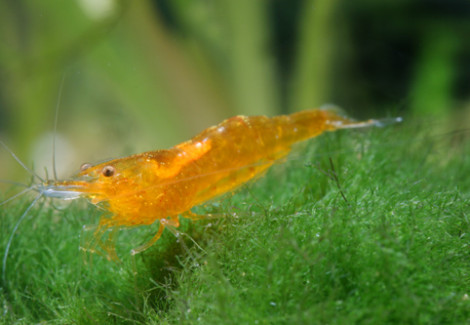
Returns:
<point x="162" y="185"/>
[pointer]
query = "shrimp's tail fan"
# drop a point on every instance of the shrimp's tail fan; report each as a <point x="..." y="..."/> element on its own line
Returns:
<point x="364" y="124"/>
<point x="341" y="121"/>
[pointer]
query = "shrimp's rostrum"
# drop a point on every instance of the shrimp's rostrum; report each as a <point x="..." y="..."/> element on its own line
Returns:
<point x="164" y="184"/>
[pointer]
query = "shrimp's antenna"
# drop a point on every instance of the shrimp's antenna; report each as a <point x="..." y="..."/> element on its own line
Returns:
<point x="6" y="181"/>
<point x="16" y="195"/>
<point x="56" y="119"/>
<point x="7" y="248"/>
<point x="20" y="162"/>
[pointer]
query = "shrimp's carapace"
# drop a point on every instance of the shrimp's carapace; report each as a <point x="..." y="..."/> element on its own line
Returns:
<point x="163" y="184"/>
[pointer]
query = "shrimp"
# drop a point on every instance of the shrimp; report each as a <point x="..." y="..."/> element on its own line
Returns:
<point x="159" y="186"/>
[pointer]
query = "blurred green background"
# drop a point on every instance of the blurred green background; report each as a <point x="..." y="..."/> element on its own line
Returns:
<point x="143" y="75"/>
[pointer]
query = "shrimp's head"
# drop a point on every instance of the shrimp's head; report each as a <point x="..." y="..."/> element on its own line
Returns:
<point x="117" y="178"/>
<point x="147" y="185"/>
<point x="97" y="183"/>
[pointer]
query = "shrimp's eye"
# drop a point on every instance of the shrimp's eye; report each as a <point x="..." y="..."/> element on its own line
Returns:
<point x="108" y="171"/>
<point x="85" y="166"/>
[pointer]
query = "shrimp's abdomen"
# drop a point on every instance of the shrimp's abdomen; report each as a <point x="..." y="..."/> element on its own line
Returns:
<point x="241" y="148"/>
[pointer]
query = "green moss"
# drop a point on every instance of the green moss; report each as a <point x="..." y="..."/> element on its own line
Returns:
<point x="289" y="249"/>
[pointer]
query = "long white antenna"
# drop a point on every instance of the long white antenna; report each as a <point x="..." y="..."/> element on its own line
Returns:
<point x="15" y="196"/>
<point x="20" y="162"/>
<point x="56" y="118"/>
<point x="7" y="248"/>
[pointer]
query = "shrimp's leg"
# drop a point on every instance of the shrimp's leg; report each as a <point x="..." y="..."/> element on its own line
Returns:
<point x="88" y="245"/>
<point x="150" y="242"/>
<point x="172" y="222"/>
<point x="107" y="246"/>
<point x="193" y="216"/>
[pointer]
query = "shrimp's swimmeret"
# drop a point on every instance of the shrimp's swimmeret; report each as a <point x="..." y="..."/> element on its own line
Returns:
<point x="162" y="185"/>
